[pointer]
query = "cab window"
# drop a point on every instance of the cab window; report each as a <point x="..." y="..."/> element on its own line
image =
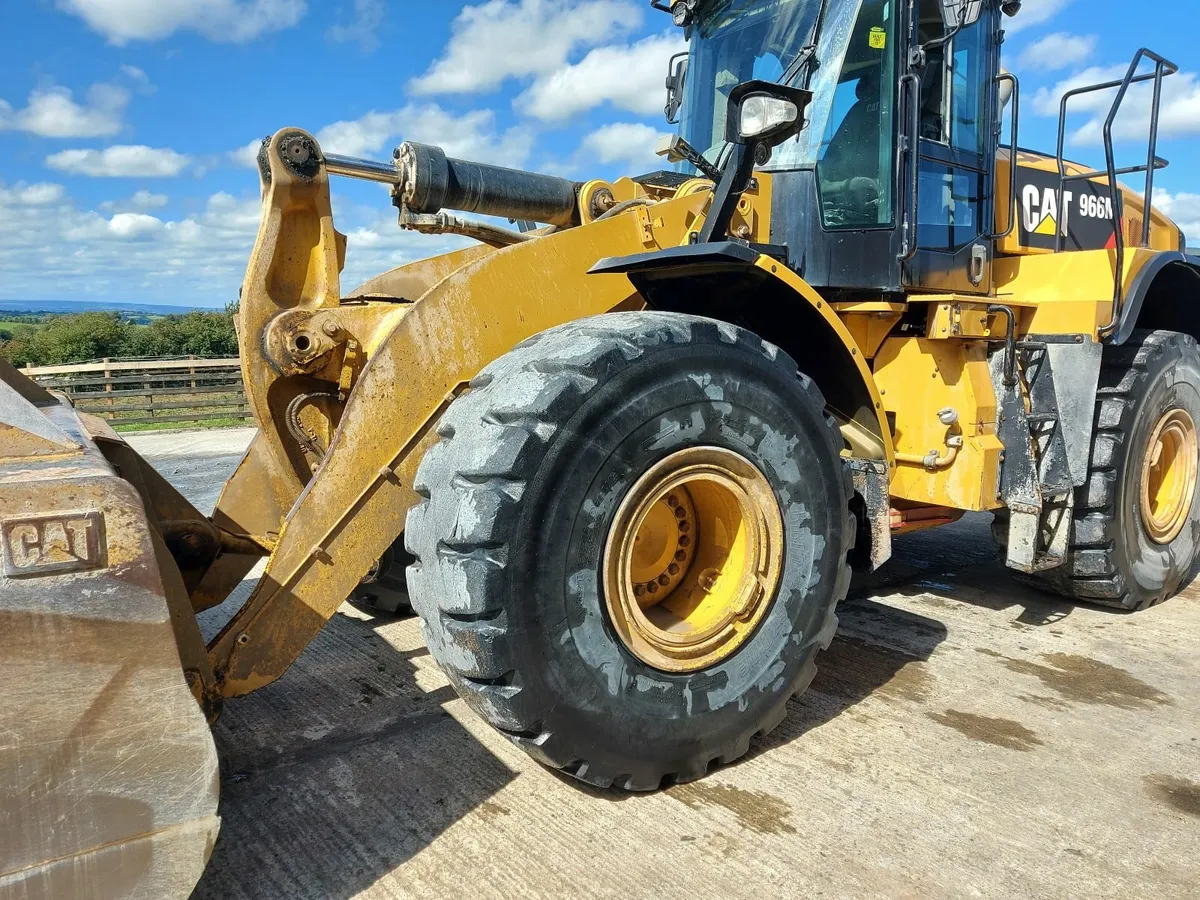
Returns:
<point x="953" y="86"/>
<point x="856" y="160"/>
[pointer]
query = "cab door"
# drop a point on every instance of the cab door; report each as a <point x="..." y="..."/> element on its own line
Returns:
<point x="957" y="153"/>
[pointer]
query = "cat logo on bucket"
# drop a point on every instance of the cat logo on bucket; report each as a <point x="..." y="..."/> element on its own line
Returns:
<point x="48" y="545"/>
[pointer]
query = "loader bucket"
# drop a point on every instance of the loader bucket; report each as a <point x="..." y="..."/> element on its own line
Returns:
<point x="108" y="771"/>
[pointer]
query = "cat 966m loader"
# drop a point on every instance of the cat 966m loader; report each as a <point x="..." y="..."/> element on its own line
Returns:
<point x="622" y="457"/>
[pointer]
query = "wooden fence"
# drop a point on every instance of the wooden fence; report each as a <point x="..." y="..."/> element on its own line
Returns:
<point x="148" y="392"/>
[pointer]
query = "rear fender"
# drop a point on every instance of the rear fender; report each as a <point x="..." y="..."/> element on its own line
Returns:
<point x="1163" y="295"/>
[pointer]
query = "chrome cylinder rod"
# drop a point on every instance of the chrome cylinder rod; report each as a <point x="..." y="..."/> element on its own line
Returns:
<point x="368" y="169"/>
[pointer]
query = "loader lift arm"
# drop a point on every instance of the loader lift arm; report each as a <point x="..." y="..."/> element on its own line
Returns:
<point x="298" y="337"/>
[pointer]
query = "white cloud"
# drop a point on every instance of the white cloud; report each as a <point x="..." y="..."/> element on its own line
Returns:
<point x="1046" y="100"/>
<point x="53" y="112"/>
<point x="624" y="142"/>
<point x="50" y="248"/>
<point x="364" y="27"/>
<point x="247" y="154"/>
<point x="628" y="76"/>
<point x="1183" y="208"/>
<point x="471" y="135"/>
<point x="1058" y="51"/>
<point x="147" y="200"/>
<point x="61" y="250"/>
<point x="41" y="194"/>
<point x="120" y="161"/>
<point x="1179" y="111"/>
<point x="141" y="200"/>
<point x="134" y="225"/>
<point x="1034" y="12"/>
<point x="500" y="39"/>
<point x="122" y="21"/>
<point x="139" y="78"/>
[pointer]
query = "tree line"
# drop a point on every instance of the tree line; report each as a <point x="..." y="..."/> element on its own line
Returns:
<point x="83" y="337"/>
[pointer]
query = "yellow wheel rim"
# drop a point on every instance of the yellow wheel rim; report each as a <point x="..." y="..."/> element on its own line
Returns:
<point x="1169" y="476"/>
<point x="693" y="559"/>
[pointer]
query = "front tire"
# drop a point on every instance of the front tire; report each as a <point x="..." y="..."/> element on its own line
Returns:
<point x="384" y="589"/>
<point x="515" y="537"/>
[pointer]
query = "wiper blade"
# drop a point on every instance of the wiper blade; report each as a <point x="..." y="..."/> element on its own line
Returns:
<point x="806" y="59"/>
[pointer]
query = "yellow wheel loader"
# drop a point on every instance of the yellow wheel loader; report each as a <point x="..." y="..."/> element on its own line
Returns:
<point x="629" y="450"/>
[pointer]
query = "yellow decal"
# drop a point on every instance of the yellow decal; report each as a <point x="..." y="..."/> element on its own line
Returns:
<point x="1047" y="226"/>
<point x="877" y="38"/>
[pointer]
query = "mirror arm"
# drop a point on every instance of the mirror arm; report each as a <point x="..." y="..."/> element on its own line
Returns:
<point x="734" y="180"/>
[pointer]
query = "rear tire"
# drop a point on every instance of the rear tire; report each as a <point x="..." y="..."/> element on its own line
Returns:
<point x="510" y="541"/>
<point x="1115" y="557"/>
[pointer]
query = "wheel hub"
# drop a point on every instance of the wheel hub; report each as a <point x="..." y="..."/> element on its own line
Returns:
<point x="693" y="559"/>
<point x="1169" y="476"/>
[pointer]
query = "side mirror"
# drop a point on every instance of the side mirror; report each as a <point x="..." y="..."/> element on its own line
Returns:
<point x="676" y="79"/>
<point x="961" y="13"/>
<point x="760" y="116"/>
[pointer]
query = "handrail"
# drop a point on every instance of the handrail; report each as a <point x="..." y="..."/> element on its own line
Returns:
<point x="1015" y="101"/>
<point x="911" y="222"/>
<point x="1162" y="69"/>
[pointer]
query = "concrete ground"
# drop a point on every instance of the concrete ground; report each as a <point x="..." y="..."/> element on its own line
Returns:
<point x="965" y="737"/>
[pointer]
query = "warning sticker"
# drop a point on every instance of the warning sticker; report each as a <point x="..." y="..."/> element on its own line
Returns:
<point x="877" y="38"/>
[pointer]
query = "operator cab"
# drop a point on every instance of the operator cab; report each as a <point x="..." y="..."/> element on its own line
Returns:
<point x="857" y="209"/>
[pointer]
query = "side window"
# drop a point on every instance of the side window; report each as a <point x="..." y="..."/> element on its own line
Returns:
<point x="855" y="168"/>
<point x="954" y="124"/>
<point x="953" y="90"/>
<point x="968" y="94"/>
<point x="950" y="200"/>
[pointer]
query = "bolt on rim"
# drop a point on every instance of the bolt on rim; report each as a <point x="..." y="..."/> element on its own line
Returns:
<point x="1169" y="476"/>
<point x="693" y="559"/>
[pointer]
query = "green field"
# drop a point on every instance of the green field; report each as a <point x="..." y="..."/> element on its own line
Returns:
<point x="16" y="327"/>
<point x="185" y="426"/>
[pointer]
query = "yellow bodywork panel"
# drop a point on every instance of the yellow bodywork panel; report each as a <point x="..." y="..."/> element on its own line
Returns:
<point x="870" y="329"/>
<point x="917" y="379"/>
<point x="1065" y="293"/>
<point x="861" y="442"/>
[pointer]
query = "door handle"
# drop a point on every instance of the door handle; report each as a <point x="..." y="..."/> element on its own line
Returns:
<point x="979" y="259"/>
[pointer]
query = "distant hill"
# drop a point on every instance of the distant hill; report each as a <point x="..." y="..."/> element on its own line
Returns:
<point x="79" y="306"/>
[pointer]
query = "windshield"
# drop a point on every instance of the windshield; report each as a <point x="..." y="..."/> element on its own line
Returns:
<point x="734" y="41"/>
<point x="848" y="136"/>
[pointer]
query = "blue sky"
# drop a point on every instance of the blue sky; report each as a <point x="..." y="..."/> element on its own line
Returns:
<point x="126" y="125"/>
